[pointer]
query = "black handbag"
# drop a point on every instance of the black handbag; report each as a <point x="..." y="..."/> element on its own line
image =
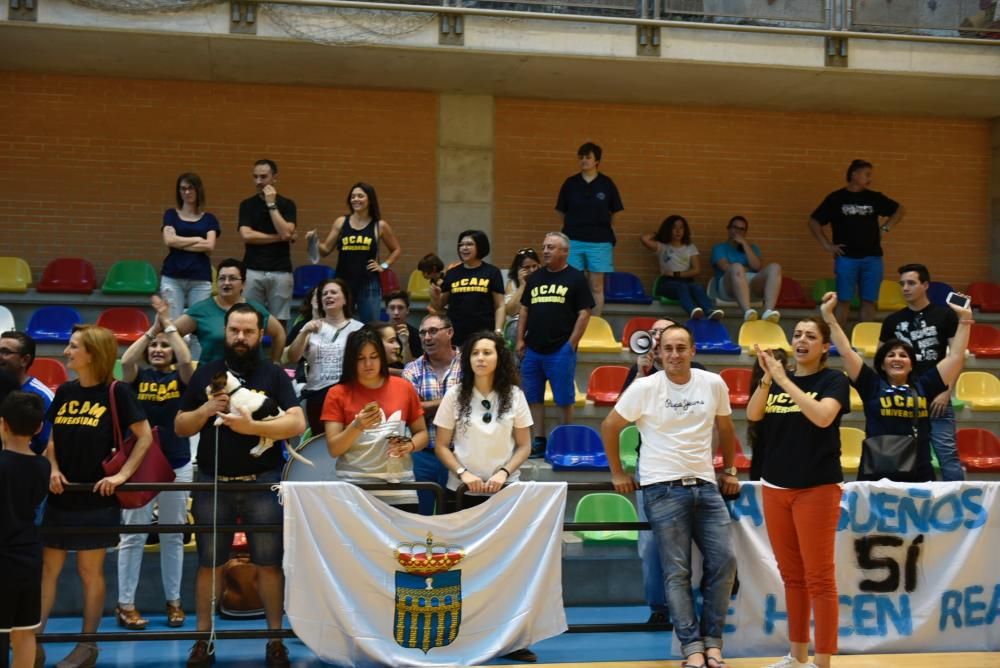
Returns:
<point x="883" y="456"/>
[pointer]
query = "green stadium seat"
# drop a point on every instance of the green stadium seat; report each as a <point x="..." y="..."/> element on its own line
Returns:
<point x="131" y="277"/>
<point x="607" y="507"/>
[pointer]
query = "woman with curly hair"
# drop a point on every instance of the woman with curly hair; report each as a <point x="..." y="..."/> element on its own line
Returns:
<point x="483" y="424"/>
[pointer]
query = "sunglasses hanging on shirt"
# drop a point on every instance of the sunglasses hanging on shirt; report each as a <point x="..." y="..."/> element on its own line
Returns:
<point x="487" y="416"/>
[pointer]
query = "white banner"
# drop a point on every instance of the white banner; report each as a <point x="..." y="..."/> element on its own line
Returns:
<point x="361" y="590"/>
<point x="918" y="570"/>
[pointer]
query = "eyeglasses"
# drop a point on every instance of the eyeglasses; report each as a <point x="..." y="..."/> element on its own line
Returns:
<point x="187" y="189"/>
<point x="5" y="352"/>
<point x="487" y="416"/>
<point x="431" y="331"/>
<point x="657" y="331"/>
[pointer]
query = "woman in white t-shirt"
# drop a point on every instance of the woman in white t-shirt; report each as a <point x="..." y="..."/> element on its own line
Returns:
<point x="483" y="424"/>
<point x="679" y="266"/>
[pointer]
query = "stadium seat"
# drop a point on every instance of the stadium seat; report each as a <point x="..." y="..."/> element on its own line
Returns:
<point x="576" y="447"/>
<point x="825" y="285"/>
<point x="792" y="295"/>
<point x="978" y="449"/>
<point x="763" y="333"/>
<point x="605" y="384"/>
<point x="628" y="447"/>
<point x="738" y="382"/>
<point x="856" y="403"/>
<point x="864" y="338"/>
<point x="50" y="371"/>
<point x="53" y="324"/>
<point x="890" y="296"/>
<point x="986" y="296"/>
<point x="6" y="320"/>
<point x="15" y="275"/>
<point x="606" y="507"/>
<point x="390" y="282"/>
<point x="984" y="341"/>
<point x="68" y="274"/>
<point x="980" y="390"/>
<point x="598" y="337"/>
<point x="638" y="324"/>
<point x="621" y="287"/>
<point x="580" y="399"/>
<point x="740" y="461"/>
<point x="418" y="286"/>
<point x="666" y="301"/>
<point x="117" y="372"/>
<point x="131" y="277"/>
<point x="937" y="292"/>
<point x="851" y="439"/>
<point x="127" y="322"/>
<point x="308" y="276"/>
<point x="711" y="337"/>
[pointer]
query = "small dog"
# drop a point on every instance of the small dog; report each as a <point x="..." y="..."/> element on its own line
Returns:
<point x="260" y="406"/>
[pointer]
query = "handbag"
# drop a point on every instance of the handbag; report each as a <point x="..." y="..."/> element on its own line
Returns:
<point x="154" y="467"/>
<point x="883" y="456"/>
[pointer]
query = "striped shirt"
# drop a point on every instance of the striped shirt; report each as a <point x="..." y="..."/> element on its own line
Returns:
<point x="421" y="374"/>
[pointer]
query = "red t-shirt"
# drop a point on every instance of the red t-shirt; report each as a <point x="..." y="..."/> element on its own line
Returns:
<point x="344" y="402"/>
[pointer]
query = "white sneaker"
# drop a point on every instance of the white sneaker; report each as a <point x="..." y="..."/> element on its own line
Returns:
<point x="788" y="661"/>
<point x="771" y="316"/>
<point x="697" y="313"/>
<point x="750" y="315"/>
<point x="717" y="314"/>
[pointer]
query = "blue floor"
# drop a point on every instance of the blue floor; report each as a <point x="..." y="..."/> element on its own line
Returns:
<point x="569" y="647"/>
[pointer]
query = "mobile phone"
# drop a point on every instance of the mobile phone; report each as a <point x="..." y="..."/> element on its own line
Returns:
<point x="961" y="301"/>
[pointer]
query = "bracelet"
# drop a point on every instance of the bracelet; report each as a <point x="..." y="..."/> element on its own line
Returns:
<point x="967" y="321"/>
<point x="169" y="330"/>
<point x="149" y="334"/>
<point x="272" y="207"/>
<point x="504" y="469"/>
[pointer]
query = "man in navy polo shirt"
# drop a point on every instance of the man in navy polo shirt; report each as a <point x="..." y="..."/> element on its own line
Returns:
<point x="587" y="203"/>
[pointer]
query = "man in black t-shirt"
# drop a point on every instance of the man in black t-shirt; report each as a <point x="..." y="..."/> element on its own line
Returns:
<point x="854" y="213"/>
<point x="587" y="203"/>
<point x="224" y="456"/>
<point x="555" y="309"/>
<point x="267" y="227"/>
<point x="929" y="328"/>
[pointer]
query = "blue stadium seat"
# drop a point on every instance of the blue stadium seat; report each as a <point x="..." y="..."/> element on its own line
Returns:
<point x="937" y="292"/>
<point x="576" y="447"/>
<point x="621" y="287"/>
<point x="308" y="276"/>
<point x="53" y="324"/>
<point x="710" y="336"/>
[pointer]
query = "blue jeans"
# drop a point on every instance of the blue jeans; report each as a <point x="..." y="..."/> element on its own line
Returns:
<point x="266" y="549"/>
<point x="649" y="555"/>
<point x="689" y="293"/>
<point x="181" y="293"/>
<point x="428" y="468"/>
<point x="368" y="300"/>
<point x="943" y="442"/>
<point x="679" y="515"/>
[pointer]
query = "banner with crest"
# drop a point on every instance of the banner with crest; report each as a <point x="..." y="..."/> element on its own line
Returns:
<point x="369" y="585"/>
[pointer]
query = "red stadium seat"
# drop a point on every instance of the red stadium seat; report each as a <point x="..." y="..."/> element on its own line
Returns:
<point x="68" y="274"/>
<point x="605" y="384"/>
<point x="978" y="449"/>
<point x="637" y="324"/>
<point x="50" y="371"/>
<point x="984" y="341"/>
<point x="741" y="461"/>
<point x="792" y="295"/>
<point x="986" y="296"/>
<point x="738" y="382"/>
<point x="127" y="322"/>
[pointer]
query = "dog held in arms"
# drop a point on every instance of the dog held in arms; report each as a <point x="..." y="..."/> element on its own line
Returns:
<point x="260" y="406"/>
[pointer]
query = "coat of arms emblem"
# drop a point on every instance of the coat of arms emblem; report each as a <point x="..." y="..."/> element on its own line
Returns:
<point x="428" y="594"/>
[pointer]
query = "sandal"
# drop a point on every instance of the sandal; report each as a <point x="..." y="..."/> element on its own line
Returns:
<point x="687" y="664"/>
<point x="130" y="619"/>
<point x="716" y="663"/>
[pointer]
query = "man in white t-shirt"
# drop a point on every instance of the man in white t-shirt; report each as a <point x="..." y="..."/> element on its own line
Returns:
<point x="675" y="412"/>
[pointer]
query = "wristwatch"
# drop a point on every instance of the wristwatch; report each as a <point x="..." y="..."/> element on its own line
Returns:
<point x="731" y="470"/>
<point x="886" y="228"/>
<point x="272" y="206"/>
<point x="385" y="266"/>
<point x="459" y="471"/>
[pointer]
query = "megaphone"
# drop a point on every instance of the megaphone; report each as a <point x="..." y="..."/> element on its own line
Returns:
<point x="640" y="342"/>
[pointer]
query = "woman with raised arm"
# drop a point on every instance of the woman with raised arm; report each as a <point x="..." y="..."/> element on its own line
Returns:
<point x="888" y="390"/>
<point x="799" y="417"/>
<point x="679" y="268"/>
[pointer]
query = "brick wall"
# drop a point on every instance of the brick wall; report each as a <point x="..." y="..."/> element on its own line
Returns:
<point x="772" y="167"/>
<point x="90" y="163"/>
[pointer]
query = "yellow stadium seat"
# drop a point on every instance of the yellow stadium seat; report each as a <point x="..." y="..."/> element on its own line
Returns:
<point x="15" y="275"/>
<point x="890" y="296"/>
<point x="856" y="404"/>
<point x="418" y="286"/>
<point x="598" y="337"/>
<point x="980" y="390"/>
<point x="763" y="333"/>
<point x="864" y="338"/>
<point x="579" y="400"/>
<point x="851" y="439"/>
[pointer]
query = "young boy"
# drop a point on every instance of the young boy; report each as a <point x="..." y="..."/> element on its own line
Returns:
<point x="24" y="482"/>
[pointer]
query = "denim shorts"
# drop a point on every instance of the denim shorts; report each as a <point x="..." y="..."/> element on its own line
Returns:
<point x="851" y="273"/>
<point x="98" y="517"/>
<point x="252" y="507"/>
<point x="595" y="256"/>
<point x="558" y="368"/>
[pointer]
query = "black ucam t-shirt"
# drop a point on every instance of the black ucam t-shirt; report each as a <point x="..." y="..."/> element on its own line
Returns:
<point x="927" y="330"/>
<point x="24" y="482"/>
<point x="470" y="301"/>
<point x="587" y="208"/>
<point x="854" y="216"/>
<point x="160" y="392"/>
<point x="554" y="300"/>
<point x="84" y="436"/>
<point x="798" y="453"/>
<point x="234" y="449"/>
<point x="255" y="215"/>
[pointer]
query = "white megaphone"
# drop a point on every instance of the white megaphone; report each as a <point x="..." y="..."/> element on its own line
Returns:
<point x="640" y="342"/>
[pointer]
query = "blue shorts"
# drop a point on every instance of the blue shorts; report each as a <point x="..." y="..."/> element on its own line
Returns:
<point x="595" y="256"/>
<point x="558" y="368"/>
<point x="865" y="272"/>
<point x="254" y="507"/>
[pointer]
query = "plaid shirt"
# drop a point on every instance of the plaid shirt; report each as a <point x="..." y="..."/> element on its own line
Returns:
<point x="421" y="375"/>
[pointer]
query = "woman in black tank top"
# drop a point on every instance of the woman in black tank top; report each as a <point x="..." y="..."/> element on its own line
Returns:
<point x="356" y="237"/>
